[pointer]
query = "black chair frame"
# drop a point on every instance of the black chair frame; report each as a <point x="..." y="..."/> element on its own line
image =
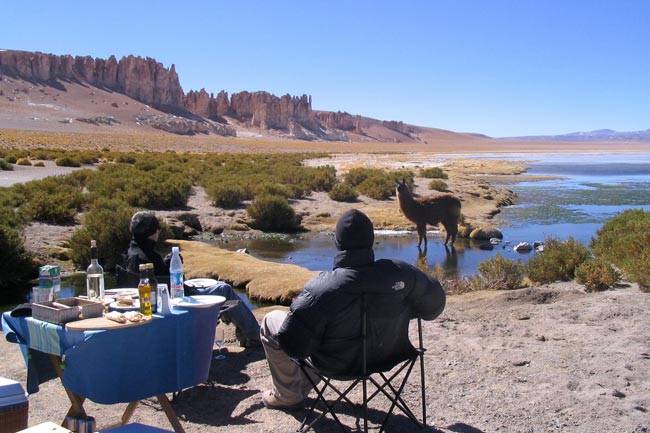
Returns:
<point x="382" y="382"/>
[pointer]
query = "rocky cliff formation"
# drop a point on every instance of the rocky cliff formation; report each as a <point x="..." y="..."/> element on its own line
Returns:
<point x="339" y="120"/>
<point x="151" y="83"/>
<point x="259" y="109"/>
<point x="143" y="79"/>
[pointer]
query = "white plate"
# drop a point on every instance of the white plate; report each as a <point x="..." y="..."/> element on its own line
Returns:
<point x="198" y="301"/>
<point x="121" y="292"/>
<point x="108" y="301"/>
<point x="200" y="282"/>
<point x="116" y="307"/>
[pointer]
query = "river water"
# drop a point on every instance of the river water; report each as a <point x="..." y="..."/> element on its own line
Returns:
<point x="583" y="191"/>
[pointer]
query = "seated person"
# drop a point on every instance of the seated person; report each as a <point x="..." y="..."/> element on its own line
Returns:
<point x="145" y="230"/>
<point x="318" y="326"/>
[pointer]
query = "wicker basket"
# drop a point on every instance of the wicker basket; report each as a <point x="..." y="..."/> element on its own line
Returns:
<point x="13" y="418"/>
<point x="79" y="308"/>
<point x="13" y="406"/>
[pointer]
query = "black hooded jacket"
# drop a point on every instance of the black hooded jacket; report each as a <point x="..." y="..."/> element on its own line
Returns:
<point x="142" y="251"/>
<point x="324" y="320"/>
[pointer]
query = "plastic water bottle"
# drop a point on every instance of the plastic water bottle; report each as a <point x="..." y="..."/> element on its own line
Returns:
<point x="176" y="275"/>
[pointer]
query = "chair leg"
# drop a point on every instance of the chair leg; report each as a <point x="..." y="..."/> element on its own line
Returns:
<point x="422" y="385"/>
<point x="365" y="406"/>
<point x="329" y="408"/>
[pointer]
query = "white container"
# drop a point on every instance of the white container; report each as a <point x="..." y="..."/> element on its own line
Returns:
<point x="13" y="406"/>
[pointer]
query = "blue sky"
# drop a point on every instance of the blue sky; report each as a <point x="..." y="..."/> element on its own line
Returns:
<point x="502" y="67"/>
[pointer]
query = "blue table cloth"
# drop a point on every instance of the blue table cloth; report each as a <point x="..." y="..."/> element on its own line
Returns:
<point x="129" y="364"/>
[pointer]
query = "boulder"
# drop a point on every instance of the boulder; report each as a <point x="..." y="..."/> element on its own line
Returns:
<point x="190" y="220"/>
<point x="523" y="247"/>
<point x="485" y="233"/>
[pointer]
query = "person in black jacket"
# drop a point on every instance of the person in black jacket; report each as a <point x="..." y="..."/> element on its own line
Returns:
<point x="145" y="230"/>
<point x="320" y="322"/>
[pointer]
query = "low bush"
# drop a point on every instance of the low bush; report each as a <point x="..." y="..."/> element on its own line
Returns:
<point x="24" y="161"/>
<point x="499" y="273"/>
<point x="377" y="187"/>
<point x="623" y="241"/>
<point x="433" y="173"/>
<point x="67" y="161"/>
<point x="226" y="195"/>
<point x="17" y="266"/>
<point x="372" y="182"/>
<point x="124" y="158"/>
<point x="88" y="158"/>
<point x="597" y="275"/>
<point x="343" y="192"/>
<point x="39" y="164"/>
<point x="558" y="261"/>
<point x="438" y="185"/>
<point x="268" y="188"/>
<point x="272" y="212"/>
<point x="452" y="285"/>
<point x="55" y="199"/>
<point x="4" y="165"/>
<point x="107" y="221"/>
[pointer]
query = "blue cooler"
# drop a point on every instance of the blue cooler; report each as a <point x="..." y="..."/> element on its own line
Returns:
<point x="13" y="406"/>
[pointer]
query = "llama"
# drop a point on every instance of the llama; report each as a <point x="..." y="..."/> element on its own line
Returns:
<point x="433" y="209"/>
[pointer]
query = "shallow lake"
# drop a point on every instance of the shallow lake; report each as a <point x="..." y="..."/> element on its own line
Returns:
<point x="585" y="190"/>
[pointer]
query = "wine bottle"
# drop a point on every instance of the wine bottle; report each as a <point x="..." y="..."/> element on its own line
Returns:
<point x="94" y="276"/>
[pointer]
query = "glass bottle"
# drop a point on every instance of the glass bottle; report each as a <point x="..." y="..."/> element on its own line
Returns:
<point x="144" y="290"/>
<point x="153" y="282"/>
<point x="94" y="276"/>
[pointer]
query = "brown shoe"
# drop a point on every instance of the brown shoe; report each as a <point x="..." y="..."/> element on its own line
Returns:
<point x="272" y="402"/>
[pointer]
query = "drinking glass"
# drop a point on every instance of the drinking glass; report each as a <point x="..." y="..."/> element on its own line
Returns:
<point x="219" y="339"/>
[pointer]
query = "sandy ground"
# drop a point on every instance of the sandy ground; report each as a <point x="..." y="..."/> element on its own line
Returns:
<point x="548" y="359"/>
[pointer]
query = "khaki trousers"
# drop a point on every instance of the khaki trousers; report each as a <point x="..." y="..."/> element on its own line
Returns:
<point x="290" y="385"/>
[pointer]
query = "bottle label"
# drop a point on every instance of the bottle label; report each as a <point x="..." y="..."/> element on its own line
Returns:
<point x="176" y="279"/>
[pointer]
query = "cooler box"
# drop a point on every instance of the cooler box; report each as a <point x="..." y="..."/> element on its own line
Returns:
<point x="13" y="406"/>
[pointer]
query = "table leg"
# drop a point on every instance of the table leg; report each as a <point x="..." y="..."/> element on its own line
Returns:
<point x="126" y="416"/>
<point x="169" y="411"/>
<point x="77" y="402"/>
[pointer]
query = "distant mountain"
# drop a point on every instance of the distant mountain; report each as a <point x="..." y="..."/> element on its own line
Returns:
<point x="598" y="135"/>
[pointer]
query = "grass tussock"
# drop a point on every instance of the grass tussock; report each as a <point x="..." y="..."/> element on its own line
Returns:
<point x="264" y="281"/>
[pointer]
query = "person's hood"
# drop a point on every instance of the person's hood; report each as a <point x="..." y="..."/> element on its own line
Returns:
<point x="143" y="224"/>
<point x="354" y="237"/>
<point x="354" y="231"/>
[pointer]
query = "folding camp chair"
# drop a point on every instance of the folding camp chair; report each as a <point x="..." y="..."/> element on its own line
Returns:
<point x="388" y="376"/>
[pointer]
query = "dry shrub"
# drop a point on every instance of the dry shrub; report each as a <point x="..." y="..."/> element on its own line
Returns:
<point x="558" y="261"/>
<point x="343" y="192"/>
<point x="623" y="241"/>
<point x="452" y="286"/>
<point x="597" y="275"/>
<point x="499" y="273"/>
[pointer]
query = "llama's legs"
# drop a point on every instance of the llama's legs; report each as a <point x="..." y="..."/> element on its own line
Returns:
<point x="452" y="230"/>
<point x="422" y="235"/>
